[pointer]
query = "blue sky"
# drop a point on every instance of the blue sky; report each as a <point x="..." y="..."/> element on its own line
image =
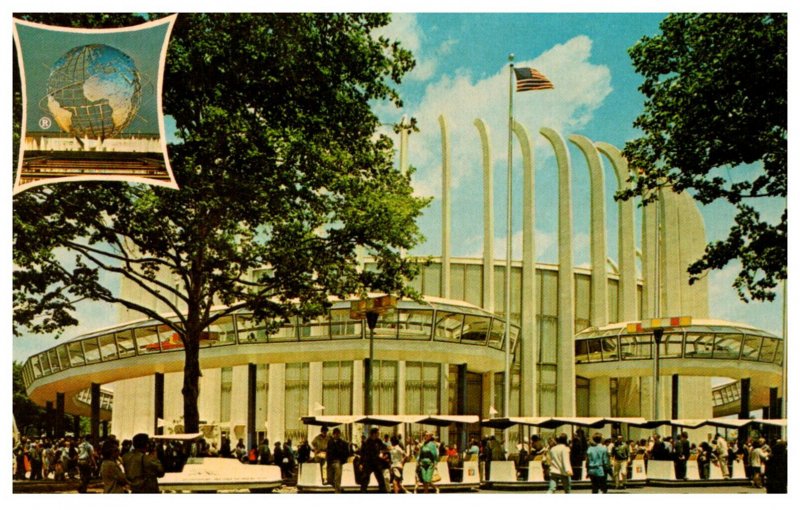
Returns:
<point x="462" y="74"/>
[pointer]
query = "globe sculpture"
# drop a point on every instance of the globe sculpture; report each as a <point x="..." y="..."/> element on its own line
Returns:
<point x="93" y="91"/>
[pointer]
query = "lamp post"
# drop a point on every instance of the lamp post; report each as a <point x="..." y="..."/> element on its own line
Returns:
<point x="370" y="309"/>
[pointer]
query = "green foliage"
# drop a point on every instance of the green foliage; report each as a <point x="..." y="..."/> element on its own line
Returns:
<point x="26" y="413"/>
<point x="716" y="89"/>
<point x="279" y="167"/>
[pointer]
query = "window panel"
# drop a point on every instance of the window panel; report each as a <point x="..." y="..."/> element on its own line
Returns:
<point x="108" y="348"/>
<point x="476" y="329"/>
<point x="699" y="345"/>
<point x="768" y="350"/>
<point x="91" y="349"/>
<point x="222" y="332"/>
<point x="342" y="326"/>
<point x="496" y="333"/>
<point x="63" y="356"/>
<point x="249" y="330"/>
<point x="415" y="324"/>
<point x="751" y="347"/>
<point x="636" y="346"/>
<point x="76" y="357"/>
<point x="125" y="343"/>
<point x="54" y="365"/>
<point x="727" y="345"/>
<point x="149" y="341"/>
<point x="671" y="345"/>
<point x="448" y="326"/>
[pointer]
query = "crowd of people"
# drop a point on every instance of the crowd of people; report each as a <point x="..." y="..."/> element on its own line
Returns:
<point x="132" y="466"/>
<point x="135" y="465"/>
<point x="611" y="459"/>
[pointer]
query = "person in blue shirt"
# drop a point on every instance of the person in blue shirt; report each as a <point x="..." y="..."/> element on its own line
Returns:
<point x="598" y="464"/>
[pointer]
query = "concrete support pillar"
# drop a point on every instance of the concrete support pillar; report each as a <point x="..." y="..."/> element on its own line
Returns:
<point x="59" y="416"/>
<point x="444" y="399"/>
<point x="487" y="390"/>
<point x="252" y="371"/>
<point x="598" y="309"/>
<point x="600" y="399"/>
<point x="774" y="403"/>
<point x="48" y="418"/>
<point x="158" y="402"/>
<point x="401" y="387"/>
<point x="276" y="415"/>
<point x="95" y="419"/>
<point x="744" y="392"/>
<point x="358" y="396"/>
<point x="529" y="352"/>
<point x="565" y="372"/>
<point x="461" y="403"/>
<point x="488" y="218"/>
<point x="626" y="251"/>
<point x="445" y="209"/>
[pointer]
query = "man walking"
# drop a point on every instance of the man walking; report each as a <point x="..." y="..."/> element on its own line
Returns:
<point x="621" y="454"/>
<point x="337" y="452"/>
<point x="682" y="447"/>
<point x="375" y="459"/>
<point x="721" y="449"/>
<point x="560" y="467"/>
<point x="598" y="464"/>
<point x="85" y="462"/>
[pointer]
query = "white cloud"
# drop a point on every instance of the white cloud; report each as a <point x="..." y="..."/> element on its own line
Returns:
<point x="404" y="28"/>
<point x="580" y="88"/>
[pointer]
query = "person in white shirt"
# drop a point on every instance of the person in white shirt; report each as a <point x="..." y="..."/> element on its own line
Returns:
<point x="560" y="467"/>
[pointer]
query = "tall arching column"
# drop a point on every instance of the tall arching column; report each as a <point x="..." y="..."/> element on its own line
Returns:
<point x="445" y="291"/>
<point x="488" y="218"/>
<point x="626" y="251"/>
<point x="599" y="304"/>
<point x="529" y="381"/>
<point x="565" y="373"/>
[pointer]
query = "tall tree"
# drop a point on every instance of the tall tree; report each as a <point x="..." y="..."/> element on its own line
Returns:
<point x="716" y="89"/>
<point x="282" y="178"/>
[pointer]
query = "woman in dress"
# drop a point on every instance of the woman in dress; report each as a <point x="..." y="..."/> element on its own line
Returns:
<point x="426" y="462"/>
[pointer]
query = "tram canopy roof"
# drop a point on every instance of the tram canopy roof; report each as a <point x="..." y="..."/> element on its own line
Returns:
<point x="441" y="420"/>
<point x="547" y="422"/>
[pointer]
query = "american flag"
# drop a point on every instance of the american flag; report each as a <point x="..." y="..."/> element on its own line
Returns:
<point x="529" y="78"/>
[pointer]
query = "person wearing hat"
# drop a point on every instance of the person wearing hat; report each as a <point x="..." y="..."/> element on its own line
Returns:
<point x="141" y="468"/>
<point x="375" y="460"/>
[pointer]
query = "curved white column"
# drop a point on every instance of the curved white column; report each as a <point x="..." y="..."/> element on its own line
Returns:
<point x="445" y="290"/>
<point x="488" y="217"/>
<point x="626" y="249"/>
<point x="529" y="335"/>
<point x="599" y="303"/>
<point x="565" y="372"/>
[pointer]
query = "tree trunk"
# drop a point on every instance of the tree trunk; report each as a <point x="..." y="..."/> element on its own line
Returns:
<point x="191" y="383"/>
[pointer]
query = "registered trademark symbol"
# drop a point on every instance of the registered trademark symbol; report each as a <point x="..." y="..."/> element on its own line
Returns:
<point x="45" y="123"/>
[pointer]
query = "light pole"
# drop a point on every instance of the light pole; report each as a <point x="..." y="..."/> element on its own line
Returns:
<point x="372" y="321"/>
<point x="370" y="309"/>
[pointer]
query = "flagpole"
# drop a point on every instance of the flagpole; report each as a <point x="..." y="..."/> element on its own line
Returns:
<point x="507" y="333"/>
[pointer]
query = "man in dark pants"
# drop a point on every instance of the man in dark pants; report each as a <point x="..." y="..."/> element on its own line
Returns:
<point x="337" y="453"/>
<point x="375" y="459"/>
<point x="85" y="462"/>
<point x="682" y="447"/>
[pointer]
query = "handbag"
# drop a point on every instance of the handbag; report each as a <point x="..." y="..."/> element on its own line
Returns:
<point x="436" y="476"/>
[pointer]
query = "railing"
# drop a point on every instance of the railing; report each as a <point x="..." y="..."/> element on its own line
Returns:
<point x="149" y="337"/>
<point x="722" y="343"/>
